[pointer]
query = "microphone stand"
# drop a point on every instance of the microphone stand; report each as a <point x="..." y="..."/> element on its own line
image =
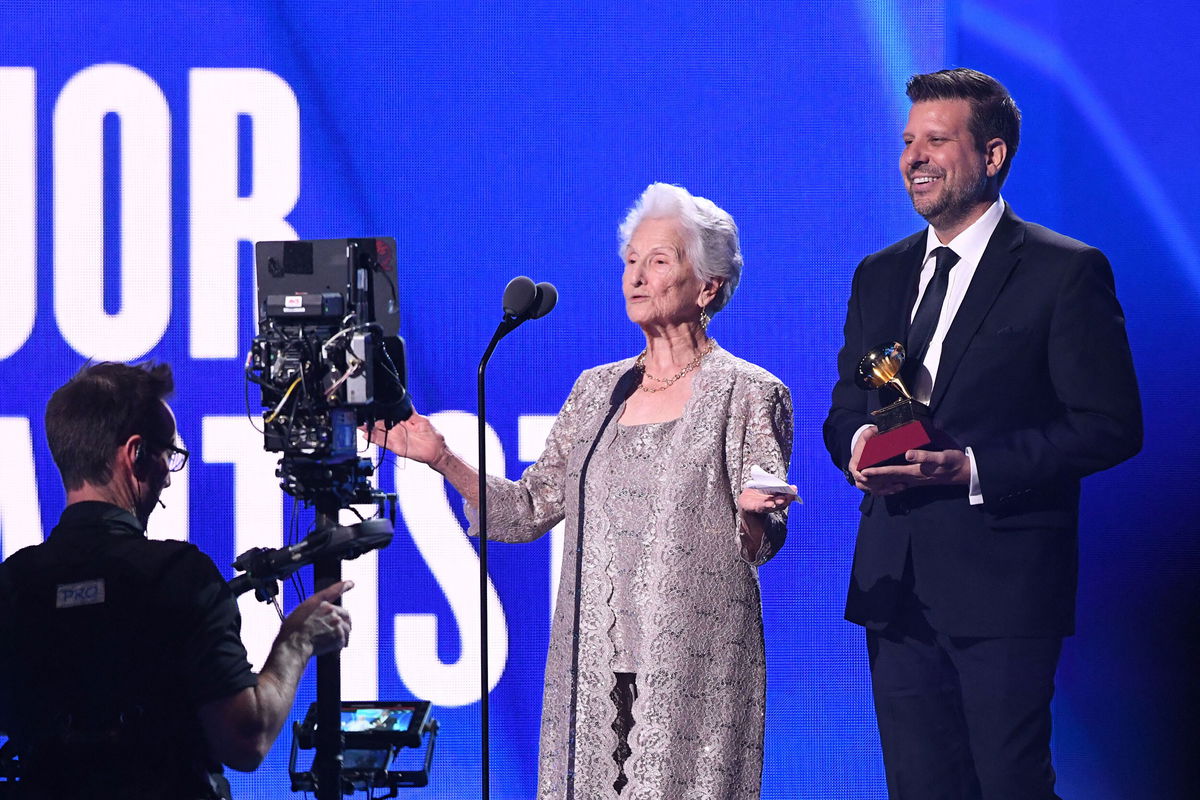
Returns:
<point x="522" y="301"/>
<point x="506" y="326"/>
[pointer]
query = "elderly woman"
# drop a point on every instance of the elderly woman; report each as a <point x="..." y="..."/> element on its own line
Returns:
<point x="655" y="678"/>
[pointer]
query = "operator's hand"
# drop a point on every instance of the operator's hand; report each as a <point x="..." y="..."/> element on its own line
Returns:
<point x="414" y="438"/>
<point x="318" y="623"/>
<point x="923" y="468"/>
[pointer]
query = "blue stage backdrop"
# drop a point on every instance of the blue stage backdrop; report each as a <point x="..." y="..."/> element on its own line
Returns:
<point x="143" y="146"/>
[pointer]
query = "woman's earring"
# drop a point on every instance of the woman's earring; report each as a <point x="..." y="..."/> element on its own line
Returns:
<point x="705" y="318"/>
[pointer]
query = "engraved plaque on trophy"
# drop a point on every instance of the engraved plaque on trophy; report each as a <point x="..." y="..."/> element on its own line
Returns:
<point x="904" y="425"/>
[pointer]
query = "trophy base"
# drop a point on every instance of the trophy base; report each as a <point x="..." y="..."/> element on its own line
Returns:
<point x="886" y="449"/>
<point x="903" y="426"/>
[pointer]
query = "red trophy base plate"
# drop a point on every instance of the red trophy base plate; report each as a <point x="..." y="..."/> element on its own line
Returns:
<point x="889" y="447"/>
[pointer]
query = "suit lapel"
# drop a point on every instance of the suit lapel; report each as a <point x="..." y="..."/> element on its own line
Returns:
<point x="899" y="293"/>
<point x="999" y="258"/>
<point x="891" y="291"/>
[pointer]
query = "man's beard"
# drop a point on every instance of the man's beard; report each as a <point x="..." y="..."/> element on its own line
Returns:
<point x="954" y="203"/>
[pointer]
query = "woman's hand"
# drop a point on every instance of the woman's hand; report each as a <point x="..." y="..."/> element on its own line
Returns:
<point x="756" y="502"/>
<point x="415" y="438"/>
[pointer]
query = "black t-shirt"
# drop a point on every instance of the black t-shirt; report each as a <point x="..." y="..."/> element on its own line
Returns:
<point x="111" y="642"/>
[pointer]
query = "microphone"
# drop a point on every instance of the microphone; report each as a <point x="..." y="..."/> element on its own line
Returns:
<point x="547" y="298"/>
<point x="161" y="503"/>
<point x="519" y="296"/>
<point x="524" y="300"/>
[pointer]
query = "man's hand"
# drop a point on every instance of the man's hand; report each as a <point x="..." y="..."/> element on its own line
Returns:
<point x="924" y="468"/>
<point x="319" y="623"/>
<point x="855" y="476"/>
<point x="241" y="727"/>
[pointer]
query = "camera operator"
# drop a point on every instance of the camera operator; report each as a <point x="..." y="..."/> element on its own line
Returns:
<point x="122" y="671"/>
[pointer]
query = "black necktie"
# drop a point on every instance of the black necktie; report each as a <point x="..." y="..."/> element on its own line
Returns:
<point x="924" y="322"/>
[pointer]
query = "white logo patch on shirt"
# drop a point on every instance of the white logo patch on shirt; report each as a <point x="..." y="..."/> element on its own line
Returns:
<point x="84" y="593"/>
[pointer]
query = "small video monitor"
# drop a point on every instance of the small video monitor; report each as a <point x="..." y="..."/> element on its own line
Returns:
<point x="374" y="724"/>
<point x="372" y="734"/>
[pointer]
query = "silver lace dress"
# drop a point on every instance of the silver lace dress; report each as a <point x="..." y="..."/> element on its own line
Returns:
<point x="701" y="672"/>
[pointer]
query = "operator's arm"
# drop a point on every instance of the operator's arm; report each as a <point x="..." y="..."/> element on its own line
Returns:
<point x="241" y="728"/>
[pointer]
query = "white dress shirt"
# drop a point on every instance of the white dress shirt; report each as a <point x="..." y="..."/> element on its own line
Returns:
<point x="968" y="246"/>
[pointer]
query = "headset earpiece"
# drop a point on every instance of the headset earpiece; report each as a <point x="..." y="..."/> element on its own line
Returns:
<point x="141" y="461"/>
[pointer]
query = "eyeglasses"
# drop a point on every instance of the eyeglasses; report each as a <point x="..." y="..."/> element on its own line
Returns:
<point x="176" y="457"/>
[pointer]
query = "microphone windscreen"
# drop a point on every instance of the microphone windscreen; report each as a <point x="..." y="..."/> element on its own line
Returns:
<point x="519" y="296"/>
<point x="547" y="298"/>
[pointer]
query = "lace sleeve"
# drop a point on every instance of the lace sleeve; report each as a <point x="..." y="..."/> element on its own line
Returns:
<point x="523" y="510"/>
<point x="767" y="442"/>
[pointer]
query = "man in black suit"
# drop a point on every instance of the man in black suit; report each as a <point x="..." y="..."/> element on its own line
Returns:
<point x="967" y="556"/>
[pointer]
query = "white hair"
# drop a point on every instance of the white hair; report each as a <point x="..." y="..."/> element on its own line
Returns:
<point x="710" y="236"/>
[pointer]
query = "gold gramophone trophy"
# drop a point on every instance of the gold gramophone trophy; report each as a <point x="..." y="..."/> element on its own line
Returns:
<point x="904" y="425"/>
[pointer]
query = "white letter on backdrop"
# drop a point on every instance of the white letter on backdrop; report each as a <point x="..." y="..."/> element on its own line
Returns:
<point x="20" y="515"/>
<point x="18" y="216"/>
<point x="145" y="213"/>
<point x="257" y="515"/>
<point x="360" y="658"/>
<point x="220" y="217"/>
<point x="443" y="544"/>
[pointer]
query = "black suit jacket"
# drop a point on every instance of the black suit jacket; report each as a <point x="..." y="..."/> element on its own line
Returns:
<point x="1037" y="379"/>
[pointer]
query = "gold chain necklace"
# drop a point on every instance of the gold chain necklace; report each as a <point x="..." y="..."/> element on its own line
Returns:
<point x="640" y="363"/>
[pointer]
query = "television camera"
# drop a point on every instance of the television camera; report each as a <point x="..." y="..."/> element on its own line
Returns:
<point x="327" y="358"/>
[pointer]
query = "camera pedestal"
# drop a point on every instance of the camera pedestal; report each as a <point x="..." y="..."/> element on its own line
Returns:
<point x="327" y="764"/>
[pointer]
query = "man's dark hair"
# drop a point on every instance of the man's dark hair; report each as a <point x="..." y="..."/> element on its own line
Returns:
<point x="96" y="412"/>
<point x="994" y="114"/>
